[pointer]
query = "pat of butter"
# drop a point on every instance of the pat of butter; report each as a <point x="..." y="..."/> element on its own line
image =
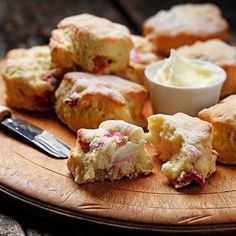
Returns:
<point x="180" y="72"/>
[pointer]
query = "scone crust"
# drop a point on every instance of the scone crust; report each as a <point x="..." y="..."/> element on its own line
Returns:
<point x="95" y="44"/>
<point x="218" y="52"/>
<point x="85" y="100"/>
<point x="115" y="150"/>
<point x="141" y="56"/>
<point x="30" y="78"/>
<point x="192" y="22"/>
<point x="222" y="116"/>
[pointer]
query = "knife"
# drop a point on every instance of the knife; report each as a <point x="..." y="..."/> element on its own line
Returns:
<point x="43" y="139"/>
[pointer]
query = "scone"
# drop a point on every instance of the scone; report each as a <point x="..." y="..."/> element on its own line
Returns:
<point x="115" y="150"/>
<point x="217" y="52"/>
<point x="185" y="24"/>
<point x="184" y="144"/>
<point x="141" y="56"/>
<point x="92" y="43"/>
<point x="222" y="116"/>
<point x="84" y="100"/>
<point x="31" y="79"/>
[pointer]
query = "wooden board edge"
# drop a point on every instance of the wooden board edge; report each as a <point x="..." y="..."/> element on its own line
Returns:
<point x="61" y="213"/>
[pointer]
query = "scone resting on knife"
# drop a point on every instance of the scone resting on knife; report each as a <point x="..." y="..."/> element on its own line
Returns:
<point x="222" y="116"/>
<point x="184" y="144"/>
<point x="115" y="150"/>
<point x="95" y="44"/>
<point x="31" y="79"/>
<point x="141" y="56"/>
<point x="84" y="100"/>
<point x="218" y="52"/>
<point x="185" y="24"/>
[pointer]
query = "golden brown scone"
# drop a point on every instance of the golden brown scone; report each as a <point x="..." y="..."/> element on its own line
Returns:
<point x="141" y="56"/>
<point x="185" y="24"/>
<point x="222" y="116"/>
<point x="31" y="79"/>
<point x="184" y="144"/>
<point x="95" y="44"/>
<point x="217" y="52"/>
<point x="84" y="100"/>
<point x="115" y="150"/>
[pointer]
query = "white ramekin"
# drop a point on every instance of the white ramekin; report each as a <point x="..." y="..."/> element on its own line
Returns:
<point x="171" y="99"/>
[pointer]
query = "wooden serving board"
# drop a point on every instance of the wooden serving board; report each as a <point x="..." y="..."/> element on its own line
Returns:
<point x="144" y="203"/>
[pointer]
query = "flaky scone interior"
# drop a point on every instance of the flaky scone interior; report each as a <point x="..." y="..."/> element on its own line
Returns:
<point x="184" y="144"/>
<point x="116" y="149"/>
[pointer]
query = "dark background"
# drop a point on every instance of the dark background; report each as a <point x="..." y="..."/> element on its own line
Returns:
<point x="24" y="23"/>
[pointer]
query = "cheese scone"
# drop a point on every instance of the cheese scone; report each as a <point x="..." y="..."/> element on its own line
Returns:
<point x="115" y="150"/>
<point x="217" y="52"/>
<point x="184" y="144"/>
<point x="222" y="116"/>
<point x="185" y="24"/>
<point x="31" y="79"/>
<point x="141" y="56"/>
<point x="84" y="100"/>
<point x="95" y="44"/>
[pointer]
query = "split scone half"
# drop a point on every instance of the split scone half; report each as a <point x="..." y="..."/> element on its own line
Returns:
<point x="185" y="24"/>
<point x="95" y="44"/>
<point x="115" y="150"/>
<point x="84" y="100"/>
<point x="222" y="116"/>
<point x="217" y="52"/>
<point x="184" y="144"/>
<point x="31" y="79"/>
<point x="141" y="56"/>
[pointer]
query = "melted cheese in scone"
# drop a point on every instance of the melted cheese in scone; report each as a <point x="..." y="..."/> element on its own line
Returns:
<point x="184" y="144"/>
<point x="114" y="150"/>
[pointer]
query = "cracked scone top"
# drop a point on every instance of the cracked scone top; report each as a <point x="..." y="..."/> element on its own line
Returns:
<point x="185" y="24"/>
<point x="115" y="150"/>
<point x="222" y="116"/>
<point x="95" y="44"/>
<point x="84" y="100"/>
<point x="184" y="144"/>
<point x="31" y="79"/>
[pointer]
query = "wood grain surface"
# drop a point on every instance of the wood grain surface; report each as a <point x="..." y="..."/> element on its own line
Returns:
<point x="46" y="182"/>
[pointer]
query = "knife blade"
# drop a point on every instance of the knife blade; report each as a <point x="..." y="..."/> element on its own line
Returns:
<point x="43" y="139"/>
